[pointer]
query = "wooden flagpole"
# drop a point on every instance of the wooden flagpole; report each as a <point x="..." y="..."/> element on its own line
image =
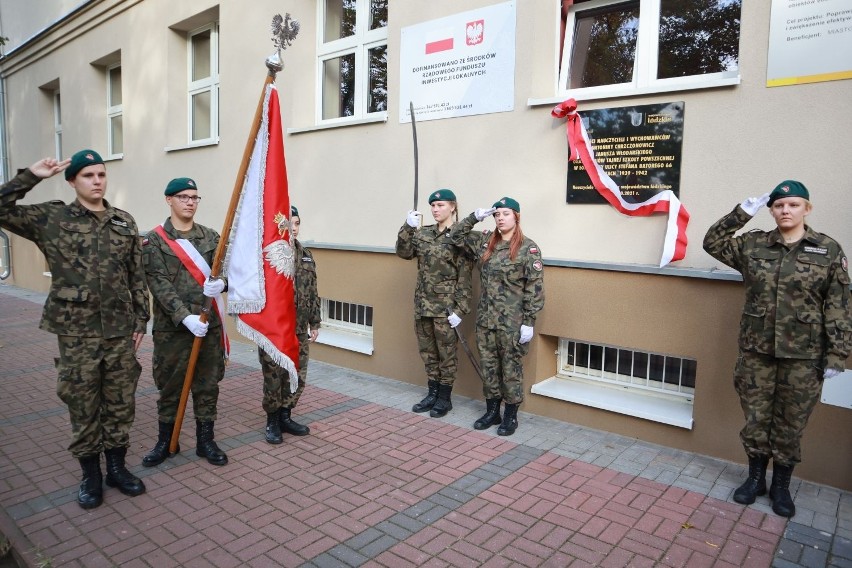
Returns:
<point x="274" y="65"/>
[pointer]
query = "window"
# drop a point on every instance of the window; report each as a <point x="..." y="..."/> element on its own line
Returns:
<point x="347" y="325"/>
<point x="115" y="130"/>
<point x="203" y="75"/>
<point x="637" y="383"/>
<point x="617" y="47"/>
<point x="352" y="59"/>
<point x="57" y="124"/>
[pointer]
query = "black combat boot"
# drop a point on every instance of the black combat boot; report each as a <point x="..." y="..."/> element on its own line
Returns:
<point x="205" y="447"/>
<point x="755" y="484"/>
<point x="510" y="420"/>
<point x="428" y="402"/>
<point x="160" y="451"/>
<point x="491" y="416"/>
<point x="779" y="491"/>
<point x="443" y="404"/>
<point x="289" y="425"/>
<point x="273" y="428"/>
<point x="91" y="492"/>
<point x="118" y="476"/>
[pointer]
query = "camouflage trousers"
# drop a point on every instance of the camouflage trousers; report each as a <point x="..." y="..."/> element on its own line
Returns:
<point x="501" y="361"/>
<point x="437" y="343"/>
<point x="777" y="397"/>
<point x="97" y="380"/>
<point x="276" y="379"/>
<point x="171" y="357"/>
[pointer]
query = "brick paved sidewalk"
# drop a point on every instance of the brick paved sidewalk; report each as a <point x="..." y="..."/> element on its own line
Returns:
<point x="376" y="485"/>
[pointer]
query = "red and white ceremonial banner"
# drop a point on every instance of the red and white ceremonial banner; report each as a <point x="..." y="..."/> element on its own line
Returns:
<point x="674" y="246"/>
<point x="260" y="262"/>
<point x="200" y="271"/>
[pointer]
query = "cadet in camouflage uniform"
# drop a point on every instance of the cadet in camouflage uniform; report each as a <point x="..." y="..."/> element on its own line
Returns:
<point x="97" y="307"/>
<point x="441" y="296"/>
<point x="178" y="298"/>
<point x="512" y="284"/>
<point x="795" y="330"/>
<point x="278" y="401"/>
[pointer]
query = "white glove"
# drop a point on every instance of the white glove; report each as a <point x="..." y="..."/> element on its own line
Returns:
<point x="194" y="324"/>
<point x="212" y="288"/>
<point x="481" y="214"/>
<point x="453" y="319"/>
<point x="413" y="219"/>
<point x="753" y="204"/>
<point x="830" y="373"/>
<point x="526" y="334"/>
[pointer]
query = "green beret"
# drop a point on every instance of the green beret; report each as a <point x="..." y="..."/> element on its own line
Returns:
<point x="293" y="211"/>
<point x="442" y="195"/>
<point x="788" y="188"/>
<point x="179" y="184"/>
<point x="509" y="203"/>
<point x="80" y="160"/>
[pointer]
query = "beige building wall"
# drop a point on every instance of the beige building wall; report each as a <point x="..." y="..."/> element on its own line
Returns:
<point x="353" y="188"/>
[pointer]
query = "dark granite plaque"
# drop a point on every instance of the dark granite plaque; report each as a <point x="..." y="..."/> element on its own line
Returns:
<point x="638" y="146"/>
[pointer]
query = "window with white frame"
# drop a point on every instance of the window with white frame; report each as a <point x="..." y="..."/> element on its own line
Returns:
<point x="647" y="385"/>
<point x="57" y="124"/>
<point x="352" y="59"/>
<point x="203" y="91"/>
<point x="617" y="47"/>
<point x="115" y="114"/>
<point x="641" y="370"/>
<point x="347" y="325"/>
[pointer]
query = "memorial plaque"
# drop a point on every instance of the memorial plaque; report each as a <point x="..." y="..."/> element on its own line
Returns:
<point x="638" y="146"/>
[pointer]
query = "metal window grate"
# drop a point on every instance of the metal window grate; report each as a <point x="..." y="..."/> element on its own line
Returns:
<point x="347" y="316"/>
<point x="628" y="367"/>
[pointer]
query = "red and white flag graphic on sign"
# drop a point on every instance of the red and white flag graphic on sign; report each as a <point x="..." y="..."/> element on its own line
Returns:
<point x="674" y="246"/>
<point x="260" y="263"/>
<point x="439" y="40"/>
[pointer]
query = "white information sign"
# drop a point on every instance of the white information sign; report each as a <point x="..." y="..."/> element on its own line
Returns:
<point x="809" y="41"/>
<point x="459" y="65"/>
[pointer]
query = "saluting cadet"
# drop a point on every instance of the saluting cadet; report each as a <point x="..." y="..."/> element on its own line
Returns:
<point x="177" y="257"/>
<point x="278" y="401"/>
<point x="512" y="281"/>
<point x="795" y="330"/>
<point x="97" y="307"/>
<point x="441" y="296"/>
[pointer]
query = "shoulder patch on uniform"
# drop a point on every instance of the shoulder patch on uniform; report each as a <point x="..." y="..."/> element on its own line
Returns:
<point x="537" y="265"/>
<point x="534" y="249"/>
<point x="844" y="263"/>
<point x="145" y="241"/>
<point x="486" y="232"/>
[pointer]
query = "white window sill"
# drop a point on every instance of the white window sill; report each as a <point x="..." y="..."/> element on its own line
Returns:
<point x="341" y="122"/>
<point x="630" y="91"/>
<point x="201" y="144"/>
<point x="674" y="411"/>
<point x="345" y="340"/>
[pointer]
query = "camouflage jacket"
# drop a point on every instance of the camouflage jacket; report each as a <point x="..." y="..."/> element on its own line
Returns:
<point x="308" y="304"/>
<point x="176" y="293"/>
<point x="97" y="284"/>
<point x="443" y="272"/>
<point x="797" y="299"/>
<point x="512" y="290"/>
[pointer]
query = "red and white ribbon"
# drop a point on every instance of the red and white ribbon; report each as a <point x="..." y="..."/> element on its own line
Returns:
<point x="674" y="246"/>
<point x="200" y="271"/>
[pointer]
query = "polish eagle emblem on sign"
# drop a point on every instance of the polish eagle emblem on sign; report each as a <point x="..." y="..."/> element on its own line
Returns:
<point x="474" y="31"/>
<point x="280" y="254"/>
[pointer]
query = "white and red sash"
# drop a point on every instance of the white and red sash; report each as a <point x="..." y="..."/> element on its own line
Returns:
<point x="200" y="271"/>
<point x="674" y="245"/>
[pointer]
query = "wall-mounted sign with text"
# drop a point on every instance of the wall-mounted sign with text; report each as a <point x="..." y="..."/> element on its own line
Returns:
<point x="639" y="147"/>
<point x="809" y="41"/>
<point x="459" y="65"/>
